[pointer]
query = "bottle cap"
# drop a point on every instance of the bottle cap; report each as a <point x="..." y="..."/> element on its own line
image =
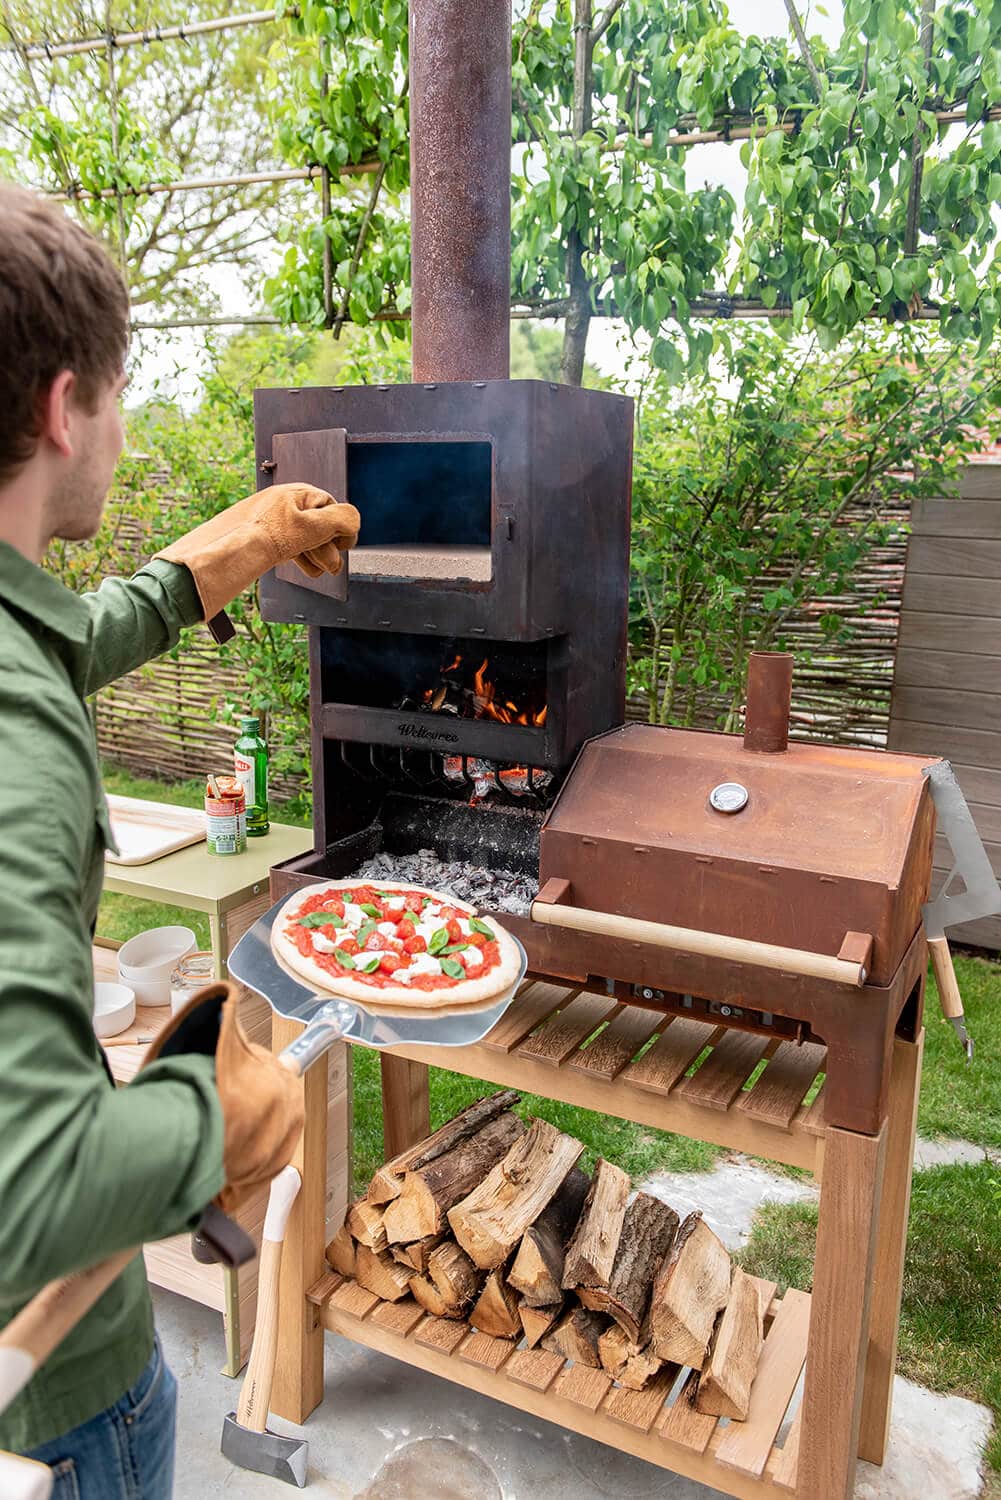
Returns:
<point x="251" y="721"/>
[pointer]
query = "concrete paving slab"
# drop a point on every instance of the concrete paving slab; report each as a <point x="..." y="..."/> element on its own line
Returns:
<point x="389" y="1432"/>
<point x="729" y="1195"/>
<point x="944" y="1152"/>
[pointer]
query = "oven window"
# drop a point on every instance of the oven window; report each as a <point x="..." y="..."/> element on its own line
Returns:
<point x="425" y="508"/>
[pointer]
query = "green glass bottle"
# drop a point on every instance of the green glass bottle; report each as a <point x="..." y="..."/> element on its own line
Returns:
<point x="250" y="761"/>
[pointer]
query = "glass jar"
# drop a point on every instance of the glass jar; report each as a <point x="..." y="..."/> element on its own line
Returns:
<point x="194" y="971"/>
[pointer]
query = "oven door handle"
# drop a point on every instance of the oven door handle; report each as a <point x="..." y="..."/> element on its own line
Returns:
<point x="708" y="944"/>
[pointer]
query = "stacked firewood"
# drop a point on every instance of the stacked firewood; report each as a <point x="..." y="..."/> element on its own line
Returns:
<point x="493" y="1222"/>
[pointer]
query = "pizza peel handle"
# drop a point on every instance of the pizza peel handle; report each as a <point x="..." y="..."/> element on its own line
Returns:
<point x="328" y="1019"/>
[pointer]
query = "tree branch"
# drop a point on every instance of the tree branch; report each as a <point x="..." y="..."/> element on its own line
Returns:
<point x="804" y="46"/>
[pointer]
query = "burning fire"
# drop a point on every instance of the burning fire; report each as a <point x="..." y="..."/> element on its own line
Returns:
<point x="453" y="694"/>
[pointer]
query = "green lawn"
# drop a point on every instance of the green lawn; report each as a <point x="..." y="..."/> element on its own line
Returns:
<point x="958" y="1100"/>
<point x="950" y="1330"/>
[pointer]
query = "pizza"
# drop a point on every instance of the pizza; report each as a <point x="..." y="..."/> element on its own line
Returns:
<point x="389" y="944"/>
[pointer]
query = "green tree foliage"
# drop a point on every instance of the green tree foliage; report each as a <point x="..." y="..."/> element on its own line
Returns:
<point x="604" y="219"/>
<point x="758" y="495"/>
<point x="160" y="112"/>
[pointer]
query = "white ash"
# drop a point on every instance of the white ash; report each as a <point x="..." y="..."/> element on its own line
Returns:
<point x="488" y="890"/>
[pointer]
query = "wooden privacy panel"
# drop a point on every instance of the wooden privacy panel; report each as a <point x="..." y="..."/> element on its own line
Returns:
<point x="947" y="681"/>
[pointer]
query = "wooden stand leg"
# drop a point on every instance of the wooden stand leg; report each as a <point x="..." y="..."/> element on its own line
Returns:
<point x="298" y="1382"/>
<point x="406" y="1108"/>
<point x="846" y="1241"/>
<point x="891" y="1243"/>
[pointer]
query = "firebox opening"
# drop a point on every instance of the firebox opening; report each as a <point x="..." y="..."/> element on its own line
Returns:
<point x="425" y="509"/>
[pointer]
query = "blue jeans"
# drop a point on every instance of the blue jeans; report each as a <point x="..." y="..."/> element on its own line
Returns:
<point x="124" y="1453"/>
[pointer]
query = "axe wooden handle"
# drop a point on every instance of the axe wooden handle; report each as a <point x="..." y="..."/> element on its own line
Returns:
<point x="255" y="1397"/>
<point x="945" y="978"/>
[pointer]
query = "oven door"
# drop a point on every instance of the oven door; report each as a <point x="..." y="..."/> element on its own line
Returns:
<point x="319" y="458"/>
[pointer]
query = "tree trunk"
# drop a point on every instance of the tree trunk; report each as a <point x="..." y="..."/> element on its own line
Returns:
<point x="578" y="318"/>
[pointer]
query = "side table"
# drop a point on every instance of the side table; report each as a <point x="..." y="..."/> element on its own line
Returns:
<point x="233" y="892"/>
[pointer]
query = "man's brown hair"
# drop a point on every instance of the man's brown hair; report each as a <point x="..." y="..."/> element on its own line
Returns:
<point x="63" y="306"/>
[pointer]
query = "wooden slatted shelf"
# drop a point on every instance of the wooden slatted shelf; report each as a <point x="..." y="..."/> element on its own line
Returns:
<point x="591" y="1051"/>
<point x="656" y="1424"/>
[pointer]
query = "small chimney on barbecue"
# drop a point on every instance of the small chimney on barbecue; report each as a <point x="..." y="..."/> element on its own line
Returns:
<point x="769" y="696"/>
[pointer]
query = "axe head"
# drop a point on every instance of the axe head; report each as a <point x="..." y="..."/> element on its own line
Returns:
<point x="265" y="1452"/>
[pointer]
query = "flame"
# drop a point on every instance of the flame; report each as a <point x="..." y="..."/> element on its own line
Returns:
<point x="487" y="706"/>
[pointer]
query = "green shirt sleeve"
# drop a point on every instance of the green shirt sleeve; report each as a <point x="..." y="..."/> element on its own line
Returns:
<point x="85" y="1169"/>
<point x="135" y="619"/>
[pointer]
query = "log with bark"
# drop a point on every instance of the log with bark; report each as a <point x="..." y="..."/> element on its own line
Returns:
<point x="590" y="1254"/>
<point x="454" y="1275"/>
<point x="496" y="1311"/>
<point x="724" y="1388"/>
<point x="537" y="1272"/>
<point x="429" y="1191"/>
<point x="690" y="1288"/>
<point x="648" y="1232"/>
<point x="491" y="1220"/>
<point x="576" y="1337"/>
<point x="387" y="1182"/>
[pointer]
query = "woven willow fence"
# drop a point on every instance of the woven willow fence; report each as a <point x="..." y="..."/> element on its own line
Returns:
<point x="168" y="719"/>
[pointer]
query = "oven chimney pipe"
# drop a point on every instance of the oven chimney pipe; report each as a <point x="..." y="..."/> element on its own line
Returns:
<point x="460" y="189"/>
<point x="769" y="696"/>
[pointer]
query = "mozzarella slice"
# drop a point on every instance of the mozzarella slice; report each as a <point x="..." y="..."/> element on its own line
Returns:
<point x="323" y="944"/>
<point x="471" y="957"/>
<point x="353" y="915"/>
<point x="387" y="929"/>
<point x="396" y="903"/>
<point x="425" y="963"/>
<point x="466" y="926"/>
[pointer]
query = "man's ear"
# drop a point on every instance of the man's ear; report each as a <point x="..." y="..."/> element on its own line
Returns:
<point x="58" y="406"/>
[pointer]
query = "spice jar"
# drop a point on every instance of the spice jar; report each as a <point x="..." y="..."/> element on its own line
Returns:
<point x="194" y="971"/>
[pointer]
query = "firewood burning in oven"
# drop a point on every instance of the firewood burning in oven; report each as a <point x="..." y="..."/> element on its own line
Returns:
<point x="469" y="691"/>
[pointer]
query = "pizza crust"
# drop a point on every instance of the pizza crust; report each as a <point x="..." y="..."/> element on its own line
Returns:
<point x="470" y="991"/>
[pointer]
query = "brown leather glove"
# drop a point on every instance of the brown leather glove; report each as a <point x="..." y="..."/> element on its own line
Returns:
<point x="262" y="1102"/>
<point x="285" y="523"/>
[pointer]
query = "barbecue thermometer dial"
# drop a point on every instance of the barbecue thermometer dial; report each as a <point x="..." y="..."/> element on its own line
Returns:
<point x="728" y="797"/>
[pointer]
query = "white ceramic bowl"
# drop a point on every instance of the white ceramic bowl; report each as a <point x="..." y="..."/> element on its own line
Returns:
<point x="114" y="1008"/>
<point x="145" y="963"/>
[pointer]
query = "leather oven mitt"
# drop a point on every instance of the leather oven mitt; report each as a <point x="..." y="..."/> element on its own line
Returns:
<point x="284" y="523"/>
<point x="262" y="1102"/>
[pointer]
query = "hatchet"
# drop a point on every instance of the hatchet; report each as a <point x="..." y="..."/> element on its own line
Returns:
<point x="981" y="898"/>
<point x="246" y="1441"/>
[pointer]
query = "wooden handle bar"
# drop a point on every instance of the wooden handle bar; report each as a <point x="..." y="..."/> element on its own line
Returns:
<point x="945" y="978"/>
<point x="710" y="944"/>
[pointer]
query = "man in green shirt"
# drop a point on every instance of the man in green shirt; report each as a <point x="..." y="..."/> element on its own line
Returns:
<point x="87" y="1170"/>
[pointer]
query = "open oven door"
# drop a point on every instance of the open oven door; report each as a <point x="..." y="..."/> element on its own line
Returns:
<point x="319" y="458"/>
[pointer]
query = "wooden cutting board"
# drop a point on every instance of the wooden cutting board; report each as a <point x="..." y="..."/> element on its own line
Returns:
<point x="145" y="831"/>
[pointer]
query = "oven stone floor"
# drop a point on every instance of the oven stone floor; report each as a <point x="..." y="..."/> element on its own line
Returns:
<point x="389" y="1432"/>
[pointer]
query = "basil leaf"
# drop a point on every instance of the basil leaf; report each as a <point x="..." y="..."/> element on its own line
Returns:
<point x="371" y="966"/>
<point x="370" y="910"/>
<point x="344" y="959"/>
<point x="409" y="916"/>
<point x="347" y="896"/>
<point x="452" y="967"/>
<point x="322" y="919"/>
<point x="482" y="928"/>
<point x="365" y="931"/>
<point x="439" y="940"/>
<point x="455" y="948"/>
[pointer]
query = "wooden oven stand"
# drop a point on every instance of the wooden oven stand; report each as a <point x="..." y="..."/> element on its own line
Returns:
<point x="845" y="1333"/>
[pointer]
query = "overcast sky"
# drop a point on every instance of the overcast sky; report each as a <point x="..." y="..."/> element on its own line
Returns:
<point x="174" y="358"/>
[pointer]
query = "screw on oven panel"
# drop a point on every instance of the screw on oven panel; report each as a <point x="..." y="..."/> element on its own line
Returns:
<point x="269" y="465"/>
<point x="646" y="993"/>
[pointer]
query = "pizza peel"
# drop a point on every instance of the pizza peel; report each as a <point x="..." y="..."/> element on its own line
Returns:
<point x="329" y="1018"/>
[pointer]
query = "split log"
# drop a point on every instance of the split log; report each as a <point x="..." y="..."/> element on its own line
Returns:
<point x="454" y="1274"/>
<point x="537" y="1272"/>
<point x="590" y="1255"/>
<point x="387" y="1183"/>
<point x="340" y="1252"/>
<point x="427" y="1294"/>
<point x="496" y="1312"/>
<point x="378" y="1272"/>
<point x="631" y="1364"/>
<point x="537" y="1321"/>
<point x="648" y="1232"/>
<point x="365" y="1222"/>
<point x="576" y="1337"/>
<point x="416" y="1255"/>
<point x="429" y="1192"/>
<point x="490" y="1221"/>
<point x="724" y="1388"/>
<point x="690" y="1288"/>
